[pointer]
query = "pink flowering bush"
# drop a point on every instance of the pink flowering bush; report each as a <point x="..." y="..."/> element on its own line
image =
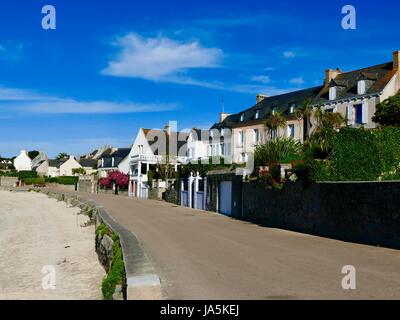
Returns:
<point x="119" y="178"/>
<point x="105" y="183"/>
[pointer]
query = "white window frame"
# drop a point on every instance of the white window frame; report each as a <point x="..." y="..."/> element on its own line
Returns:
<point x="332" y="93"/>
<point x="289" y="131"/>
<point x="242" y="117"/>
<point x="361" y="87"/>
<point x="240" y="138"/>
<point x="257" y="115"/>
<point x="256" y="136"/>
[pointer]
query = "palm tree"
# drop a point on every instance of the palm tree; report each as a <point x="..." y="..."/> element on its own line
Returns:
<point x="304" y="113"/>
<point x="274" y="121"/>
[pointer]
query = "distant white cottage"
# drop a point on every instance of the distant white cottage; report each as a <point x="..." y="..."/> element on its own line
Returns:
<point x="23" y="162"/>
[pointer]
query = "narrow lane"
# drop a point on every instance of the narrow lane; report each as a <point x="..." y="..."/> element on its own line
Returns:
<point x="202" y="255"/>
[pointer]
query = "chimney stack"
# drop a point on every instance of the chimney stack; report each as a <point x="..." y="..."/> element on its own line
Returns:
<point x="331" y="74"/>
<point x="223" y="116"/>
<point x="260" y="97"/>
<point x="396" y="60"/>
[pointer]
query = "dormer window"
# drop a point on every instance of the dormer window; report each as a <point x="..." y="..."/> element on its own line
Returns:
<point x="222" y="132"/>
<point x="332" y="93"/>
<point x="361" y="87"/>
<point x="242" y="117"/>
<point x="257" y="115"/>
<point x="273" y="111"/>
<point x="211" y="133"/>
<point x="291" y="107"/>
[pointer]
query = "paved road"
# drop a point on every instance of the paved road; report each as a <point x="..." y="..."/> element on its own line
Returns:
<point x="202" y="255"/>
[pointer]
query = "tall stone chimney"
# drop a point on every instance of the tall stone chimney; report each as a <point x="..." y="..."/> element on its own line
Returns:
<point x="331" y="74"/>
<point x="396" y="60"/>
<point x="223" y="116"/>
<point x="260" y="97"/>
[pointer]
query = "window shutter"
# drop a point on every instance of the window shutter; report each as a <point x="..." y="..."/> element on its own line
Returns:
<point x="365" y="113"/>
<point x="289" y="131"/>
<point x="350" y="114"/>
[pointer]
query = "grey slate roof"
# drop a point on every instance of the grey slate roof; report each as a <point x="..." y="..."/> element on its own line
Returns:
<point x="281" y="103"/>
<point x="118" y="155"/>
<point x="88" y="163"/>
<point x="377" y="78"/>
<point x="56" y="162"/>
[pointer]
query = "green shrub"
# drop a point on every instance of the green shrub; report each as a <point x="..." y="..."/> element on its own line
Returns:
<point x="277" y="150"/>
<point x="23" y="175"/>
<point x="35" y="181"/>
<point x="116" y="274"/>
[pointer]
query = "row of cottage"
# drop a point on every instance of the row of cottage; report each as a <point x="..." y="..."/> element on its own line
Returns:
<point x="353" y="94"/>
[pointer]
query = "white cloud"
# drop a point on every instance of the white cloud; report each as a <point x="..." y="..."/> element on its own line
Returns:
<point x="160" y="59"/>
<point x="289" y="54"/>
<point x="20" y="100"/>
<point x="297" y="81"/>
<point x="262" y="79"/>
<point x="70" y="106"/>
<point x="11" y="50"/>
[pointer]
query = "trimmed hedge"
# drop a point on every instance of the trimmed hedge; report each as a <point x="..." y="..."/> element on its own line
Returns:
<point x="359" y="155"/>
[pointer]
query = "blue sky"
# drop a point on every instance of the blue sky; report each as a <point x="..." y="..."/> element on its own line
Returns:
<point x="112" y="67"/>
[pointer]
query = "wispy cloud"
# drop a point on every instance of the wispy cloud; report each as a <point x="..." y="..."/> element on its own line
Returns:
<point x="261" y="78"/>
<point x="288" y="54"/>
<point x="297" y="81"/>
<point x="160" y="58"/>
<point x="20" y="100"/>
<point x="11" y="50"/>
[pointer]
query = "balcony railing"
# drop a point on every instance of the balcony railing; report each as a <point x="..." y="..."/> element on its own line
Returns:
<point x="157" y="159"/>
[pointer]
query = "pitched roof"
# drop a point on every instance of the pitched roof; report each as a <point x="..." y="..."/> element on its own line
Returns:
<point x="118" y="155"/>
<point x="152" y="137"/>
<point x="88" y="163"/>
<point x="281" y="103"/>
<point x="378" y="76"/>
<point x="56" y="162"/>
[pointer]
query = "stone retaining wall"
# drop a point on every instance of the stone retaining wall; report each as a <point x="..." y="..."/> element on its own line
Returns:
<point x="8" y="181"/>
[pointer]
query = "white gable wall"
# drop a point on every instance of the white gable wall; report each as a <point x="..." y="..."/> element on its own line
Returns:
<point x="23" y="162"/>
<point x="67" y="166"/>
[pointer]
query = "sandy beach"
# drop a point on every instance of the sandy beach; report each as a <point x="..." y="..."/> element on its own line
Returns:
<point x="39" y="235"/>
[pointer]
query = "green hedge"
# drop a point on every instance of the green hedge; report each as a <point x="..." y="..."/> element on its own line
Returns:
<point x="359" y="155"/>
<point x="64" y="180"/>
<point x="35" y="181"/>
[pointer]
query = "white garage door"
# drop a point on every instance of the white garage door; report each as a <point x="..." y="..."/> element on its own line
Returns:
<point x="226" y="197"/>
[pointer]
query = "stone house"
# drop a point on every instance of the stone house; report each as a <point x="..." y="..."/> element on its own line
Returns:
<point x="355" y="94"/>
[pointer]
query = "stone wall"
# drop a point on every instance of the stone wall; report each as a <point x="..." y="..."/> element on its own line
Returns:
<point x="87" y="184"/>
<point x="171" y="196"/>
<point x="8" y="181"/>
<point x="365" y="212"/>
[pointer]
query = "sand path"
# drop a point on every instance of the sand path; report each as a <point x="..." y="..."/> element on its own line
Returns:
<point x="36" y="231"/>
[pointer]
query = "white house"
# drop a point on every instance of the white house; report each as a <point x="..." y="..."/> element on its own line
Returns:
<point x="197" y="145"/>
<point x="67" y="166"/>
<point x="150" y="148"/>
<point x="22" y="162"/>
<point x="115" y="160"/>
